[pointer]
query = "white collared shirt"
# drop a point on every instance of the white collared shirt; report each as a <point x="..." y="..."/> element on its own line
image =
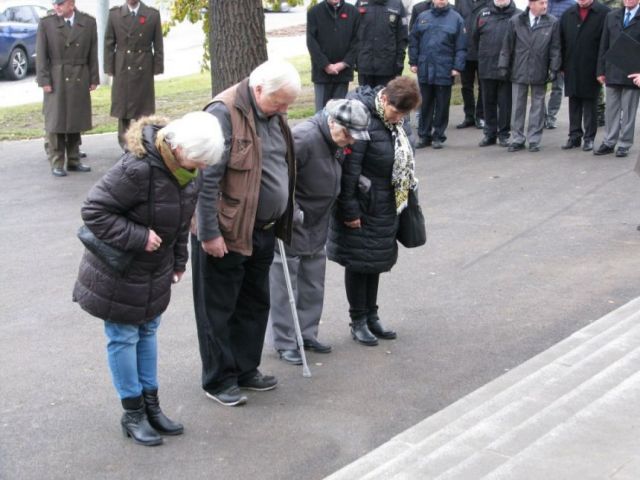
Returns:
<point x="532" y="18"/>
<point x="633" y="12"/>
<point x="71" y="19"/>
<point x="135" y="10"/>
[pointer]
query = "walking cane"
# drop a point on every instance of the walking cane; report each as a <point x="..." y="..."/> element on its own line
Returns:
<point x="294" y="311"/>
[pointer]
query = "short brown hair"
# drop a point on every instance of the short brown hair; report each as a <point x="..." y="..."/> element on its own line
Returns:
<point x="403" y="93"/>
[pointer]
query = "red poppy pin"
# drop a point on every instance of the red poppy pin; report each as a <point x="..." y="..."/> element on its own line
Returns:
<point x="343" y="15"/>
<point x="362" y="10"/>
<point x="346" y="150"/>
<point x="142" y="20"/>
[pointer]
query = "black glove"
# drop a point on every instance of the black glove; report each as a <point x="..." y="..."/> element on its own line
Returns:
<point x="552" y="76"/>
<point x="503" y="72"/>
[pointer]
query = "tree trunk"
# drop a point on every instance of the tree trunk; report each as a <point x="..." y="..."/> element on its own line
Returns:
<point x="237" y="41"/>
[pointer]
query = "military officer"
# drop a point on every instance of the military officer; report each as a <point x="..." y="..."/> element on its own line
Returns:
<point x="67" y="71"/>
<point x="133" y="54"/>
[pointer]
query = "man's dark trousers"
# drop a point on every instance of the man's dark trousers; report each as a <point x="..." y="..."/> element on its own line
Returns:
<point x="496" y="95"/>
<point x="583" y="109"/>
<point x="374" y="80"/>
<point x="231" y="299"/>
<point x="434" y="112"/>
<point x="329" y="91"/>
<point x="473" y="109"/>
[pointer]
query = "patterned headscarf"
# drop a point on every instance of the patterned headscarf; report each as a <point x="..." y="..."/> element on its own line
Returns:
<point x="402" y="176"/>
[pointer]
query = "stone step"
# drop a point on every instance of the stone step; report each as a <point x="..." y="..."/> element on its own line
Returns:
<point x="508" y="405"/>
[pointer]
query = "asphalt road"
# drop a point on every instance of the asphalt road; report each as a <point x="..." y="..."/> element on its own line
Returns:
<point x="523" y="250"/>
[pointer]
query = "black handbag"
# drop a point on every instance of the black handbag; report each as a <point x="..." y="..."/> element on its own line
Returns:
<point x="412" y="231"/>
<point x="116" y="259"/>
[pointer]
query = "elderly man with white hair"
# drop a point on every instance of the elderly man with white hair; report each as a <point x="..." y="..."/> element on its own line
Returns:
<point x="143" y="205"/>
<point x="245" y="201"/>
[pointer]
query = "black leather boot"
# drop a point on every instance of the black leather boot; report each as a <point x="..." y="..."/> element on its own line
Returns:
<point x="360" y="332"/>
<point x="373" y="322"/>
<point x="158" y="420"/>
<point x="135" y="423"/>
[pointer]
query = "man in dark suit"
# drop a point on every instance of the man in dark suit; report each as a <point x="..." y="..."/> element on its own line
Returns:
<point x="133" y="54"/>
<point x="332" y="41"/>
<point x="67" y="71"/>
<point x="580" y="32"/>
<point x="622" y="95"/>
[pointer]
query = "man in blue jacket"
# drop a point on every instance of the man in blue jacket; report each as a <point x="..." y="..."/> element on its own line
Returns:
<point x="437" y="53"/>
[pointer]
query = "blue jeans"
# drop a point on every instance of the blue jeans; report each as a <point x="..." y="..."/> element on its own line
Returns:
<point x="132" y="352"/>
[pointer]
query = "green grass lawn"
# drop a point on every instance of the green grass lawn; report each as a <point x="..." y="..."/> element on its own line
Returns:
<point x="174" y="98"/>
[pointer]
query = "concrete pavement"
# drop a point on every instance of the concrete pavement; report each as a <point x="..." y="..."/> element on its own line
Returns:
<point x="523" y="251"/>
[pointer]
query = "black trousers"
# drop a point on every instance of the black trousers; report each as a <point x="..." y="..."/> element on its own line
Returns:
<point x="496" y="96"/>
<point x="472" y="109"/>
<point x="434" y="111"/>
<point x="374" y="80"/>
<point x="362" y="292"/>
<point x="231" y="302"/>
<point x="583" y="111"/>
<point x="329" y="91"/>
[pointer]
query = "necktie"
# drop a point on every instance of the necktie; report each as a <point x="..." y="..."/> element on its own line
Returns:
<point x="133" y="12"/>
<point x="627" y="18"/>
<point x="68" y="23"/>
<point x="535" y="22"/>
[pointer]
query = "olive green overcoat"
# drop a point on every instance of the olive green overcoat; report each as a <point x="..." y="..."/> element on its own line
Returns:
<point x="67" y="60"/>
<point x="133" y="54"/>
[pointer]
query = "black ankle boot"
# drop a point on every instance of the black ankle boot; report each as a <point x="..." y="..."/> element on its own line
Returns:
<point x="135" y="423"/>
<point x="375" y="327"/>
<point x="158" y="420"/>
<point x="361" y="334"/>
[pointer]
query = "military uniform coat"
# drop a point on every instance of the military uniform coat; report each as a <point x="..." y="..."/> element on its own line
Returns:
<point x="133" y="54"/>
<point x="68" y="61"/>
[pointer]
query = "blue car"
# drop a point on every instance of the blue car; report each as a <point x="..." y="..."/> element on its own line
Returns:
<point x="18" y="27"/>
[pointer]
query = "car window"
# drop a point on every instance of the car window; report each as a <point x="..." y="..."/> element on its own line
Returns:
<point x="4" y="16"/>
<point x="21" y="15"/>
<point x="41" y="12"/>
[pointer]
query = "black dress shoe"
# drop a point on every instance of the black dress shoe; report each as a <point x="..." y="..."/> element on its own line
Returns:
<point x="82" y="154"/>
<point x="550" y="124"/>
<point x="603" y="149"/>
<point x="58" y="172"/>
<point x="437" y="144"/>
<point x="479" y="123"/>
<point x="571" y="143"/>
<point x="423" y="142"/>
<point x="290" y="356"/>
<point x="79" y="167"/>
<point x="468" y="122"/>
<point x="587" y="146"/>
<point x="315" y="346"/>
<point x="516" y="147"/>
<point x="534" y="147"/>
<point x="259" y="383"/>
<point x="378" y="330"/>
<point x="486" y="141"/>
<point x="503" y="142"/>
<point x="622" y="152"/>
<point x="361" y="333"/>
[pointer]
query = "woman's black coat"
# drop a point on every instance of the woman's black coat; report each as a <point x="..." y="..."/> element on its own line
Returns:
<point x="117" y="211"/>
<point x="580" y="43"/>
<point x="373" y="247"/>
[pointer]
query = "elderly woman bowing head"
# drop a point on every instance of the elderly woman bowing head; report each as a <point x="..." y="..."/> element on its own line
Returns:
<point x="144" y="205"/>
